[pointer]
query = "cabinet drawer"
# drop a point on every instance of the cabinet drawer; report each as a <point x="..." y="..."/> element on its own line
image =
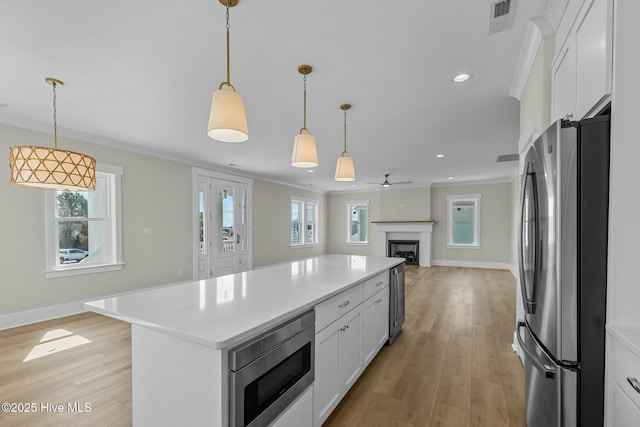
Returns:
<point x="375" y="284"/>
<point x="626" y="366"/>
<point x="330" y="310"/>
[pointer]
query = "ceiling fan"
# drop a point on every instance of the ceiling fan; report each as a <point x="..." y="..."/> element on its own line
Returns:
<point x="387" y="184"/>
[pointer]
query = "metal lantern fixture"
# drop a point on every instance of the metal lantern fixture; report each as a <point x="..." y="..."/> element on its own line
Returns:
<point x="227" y="119"/>
<point x="305" y="154"/>
<point x="345" y="170"/>
<point x="51" y="168"/>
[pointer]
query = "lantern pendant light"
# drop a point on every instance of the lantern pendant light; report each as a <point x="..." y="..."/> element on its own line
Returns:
<point x="227" y="119"/>
<point x="51" y="168"/>
<point x="304" y="153"/>
<point x="345" y="170"/>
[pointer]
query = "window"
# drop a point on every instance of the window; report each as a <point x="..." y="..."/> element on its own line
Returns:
<point x="358" y="222"/>
<point x="84" y="230"/>
<point x="463" y="221"/>
<point x="304" y="222"/>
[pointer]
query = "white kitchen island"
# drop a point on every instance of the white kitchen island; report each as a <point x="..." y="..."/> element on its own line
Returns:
<point x="181" y="333"/>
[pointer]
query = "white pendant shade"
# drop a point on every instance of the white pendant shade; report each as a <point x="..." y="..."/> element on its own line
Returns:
<point x="305" y="154"/>
<point x="345" y="171"/>
<point x="227" y="119"/>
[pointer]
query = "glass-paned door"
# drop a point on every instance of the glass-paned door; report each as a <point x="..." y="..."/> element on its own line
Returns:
<point x="222" y="235"/>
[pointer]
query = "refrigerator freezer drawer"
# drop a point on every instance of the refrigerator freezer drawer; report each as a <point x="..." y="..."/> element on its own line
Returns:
<point x="550" y="390"/>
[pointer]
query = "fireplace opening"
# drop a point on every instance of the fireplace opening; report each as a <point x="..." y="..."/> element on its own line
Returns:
<point x="407" y="249"/>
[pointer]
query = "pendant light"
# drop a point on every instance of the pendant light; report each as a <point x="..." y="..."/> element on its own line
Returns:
<point x="304" y="153"/>
<point x="227" y="119"/>
<point x="51" y="168"/>
<point x="345" y="171"/>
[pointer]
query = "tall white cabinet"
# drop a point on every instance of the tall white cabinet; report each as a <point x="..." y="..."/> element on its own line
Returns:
<point x="623" y="319"/>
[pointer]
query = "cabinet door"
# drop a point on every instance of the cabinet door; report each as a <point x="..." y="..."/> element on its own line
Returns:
<point x="370" y="328"/>
<point x="593" y="44"/>
<point x="563" y="82"/>
<point x="622" y="411"/>
<point x="382" y="318"/>
<point x="350" y="361"/>
<point x="326" y="387"/>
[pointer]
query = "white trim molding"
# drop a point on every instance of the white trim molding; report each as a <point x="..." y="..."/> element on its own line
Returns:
<point x="27" y="317"/>
<point x="472" y="264"/>
<point x="538" y="29"/>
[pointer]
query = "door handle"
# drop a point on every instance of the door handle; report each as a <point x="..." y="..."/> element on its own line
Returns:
<point x="548" y="371"/>
<point x="530" y="302"/>
<point x="634" y="383"/>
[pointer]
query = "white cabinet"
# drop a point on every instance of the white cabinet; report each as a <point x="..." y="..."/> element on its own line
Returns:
<point x="623" y="377"/>
<point x="375" y="324"/>
<point x="337" y="363"/>
<point x="581" y="72"/>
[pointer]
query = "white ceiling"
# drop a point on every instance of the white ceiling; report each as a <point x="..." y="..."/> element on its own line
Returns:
<point x="140" y="75"/>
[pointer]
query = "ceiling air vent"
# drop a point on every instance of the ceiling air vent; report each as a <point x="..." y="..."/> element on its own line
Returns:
<point x="507" y="158"/>
<point x="501" y="15"/>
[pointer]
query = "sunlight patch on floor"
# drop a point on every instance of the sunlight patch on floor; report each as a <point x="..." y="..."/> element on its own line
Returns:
<point x="55" y="341"/>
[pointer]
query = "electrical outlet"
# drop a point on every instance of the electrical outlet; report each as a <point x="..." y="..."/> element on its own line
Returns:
<point x="148" y="231"/>
<point x="180" y="272"/>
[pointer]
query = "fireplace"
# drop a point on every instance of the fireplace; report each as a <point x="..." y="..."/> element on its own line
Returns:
<point x="419" y="230"/>
<point x="408" y="249"/>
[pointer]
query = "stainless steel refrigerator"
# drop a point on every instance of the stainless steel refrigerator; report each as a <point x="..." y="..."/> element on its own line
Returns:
<point x="563" y="271"/>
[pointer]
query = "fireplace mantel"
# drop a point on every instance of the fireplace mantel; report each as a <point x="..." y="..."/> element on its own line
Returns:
<point x="407" y="230"/>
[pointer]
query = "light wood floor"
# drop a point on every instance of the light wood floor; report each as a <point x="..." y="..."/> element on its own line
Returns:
<point x="452" y="365"/>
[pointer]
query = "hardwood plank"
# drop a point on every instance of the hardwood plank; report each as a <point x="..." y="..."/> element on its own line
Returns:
<point x="452" y="365"/>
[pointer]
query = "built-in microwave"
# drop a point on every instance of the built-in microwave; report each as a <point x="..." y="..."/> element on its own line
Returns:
<point x="270" y="371"/>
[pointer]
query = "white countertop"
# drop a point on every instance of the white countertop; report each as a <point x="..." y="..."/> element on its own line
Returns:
<point x="223" y="311"/>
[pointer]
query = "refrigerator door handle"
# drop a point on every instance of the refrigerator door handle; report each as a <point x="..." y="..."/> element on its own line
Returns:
<point x="549" y="371"/>
<point x="529" y="289"/>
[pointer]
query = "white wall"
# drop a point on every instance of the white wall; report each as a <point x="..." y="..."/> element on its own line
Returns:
<point x="155" y="193"/>
<point x="495" y="226"/>
<point x="271" y="216"/>
<point x="412" y="203"/>
<point x="337" y="219"/>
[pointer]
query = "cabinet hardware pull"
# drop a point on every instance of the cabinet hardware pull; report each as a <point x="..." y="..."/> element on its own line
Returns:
<point x="344" y="304"/>
<point x="634" y="383"/>
<point x="379" y="283"/>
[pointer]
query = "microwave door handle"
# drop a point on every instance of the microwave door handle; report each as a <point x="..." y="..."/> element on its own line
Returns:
<point x="548" y="371"/>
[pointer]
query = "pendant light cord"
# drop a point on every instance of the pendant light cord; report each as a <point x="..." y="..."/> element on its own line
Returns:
<point x="228" y="60"/>
<point x="304" y="125"/>
<point x="55" y="121"/>
<point x="345" y="134"/>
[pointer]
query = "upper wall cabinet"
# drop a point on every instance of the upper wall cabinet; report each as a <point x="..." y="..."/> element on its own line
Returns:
<point x="581" y="72"/>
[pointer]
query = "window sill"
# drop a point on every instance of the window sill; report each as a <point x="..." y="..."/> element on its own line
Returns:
<point x="356" y="243"/>
<point x="77" y="271"/>
<point x="309" y="245"/>
<point x="464" y="246"/>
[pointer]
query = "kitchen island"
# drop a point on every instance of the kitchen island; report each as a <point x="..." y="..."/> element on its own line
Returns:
<point x="181" y="333"/>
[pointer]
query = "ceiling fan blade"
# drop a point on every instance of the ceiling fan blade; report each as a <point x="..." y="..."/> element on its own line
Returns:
<point x="402" y="182"/>
<point x="377" y="183"/>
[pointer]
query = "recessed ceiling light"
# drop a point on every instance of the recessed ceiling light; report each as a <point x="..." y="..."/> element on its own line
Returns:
<point x="440" y="156"/>
<point x="354" y="185"/>
<point x="450" y="177"/>
<point x="461" y="78"/>
<point x="310" y="171"/>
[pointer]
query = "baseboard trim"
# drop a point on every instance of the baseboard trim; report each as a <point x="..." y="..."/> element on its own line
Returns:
<point x="21" y="318"/>
<point x="472" y="264"/>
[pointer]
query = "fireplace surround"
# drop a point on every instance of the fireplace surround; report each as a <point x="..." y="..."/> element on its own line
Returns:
<point x="419" y="230"/>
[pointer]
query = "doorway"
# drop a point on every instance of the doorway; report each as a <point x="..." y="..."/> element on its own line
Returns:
<point x="222" y="224"/>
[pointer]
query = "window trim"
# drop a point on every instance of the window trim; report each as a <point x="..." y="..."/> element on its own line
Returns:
<point x="115" y="206"/>
<point x="303" y="220"/>
<point x="366" y="225"/>
<point x="475" y="198"/>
